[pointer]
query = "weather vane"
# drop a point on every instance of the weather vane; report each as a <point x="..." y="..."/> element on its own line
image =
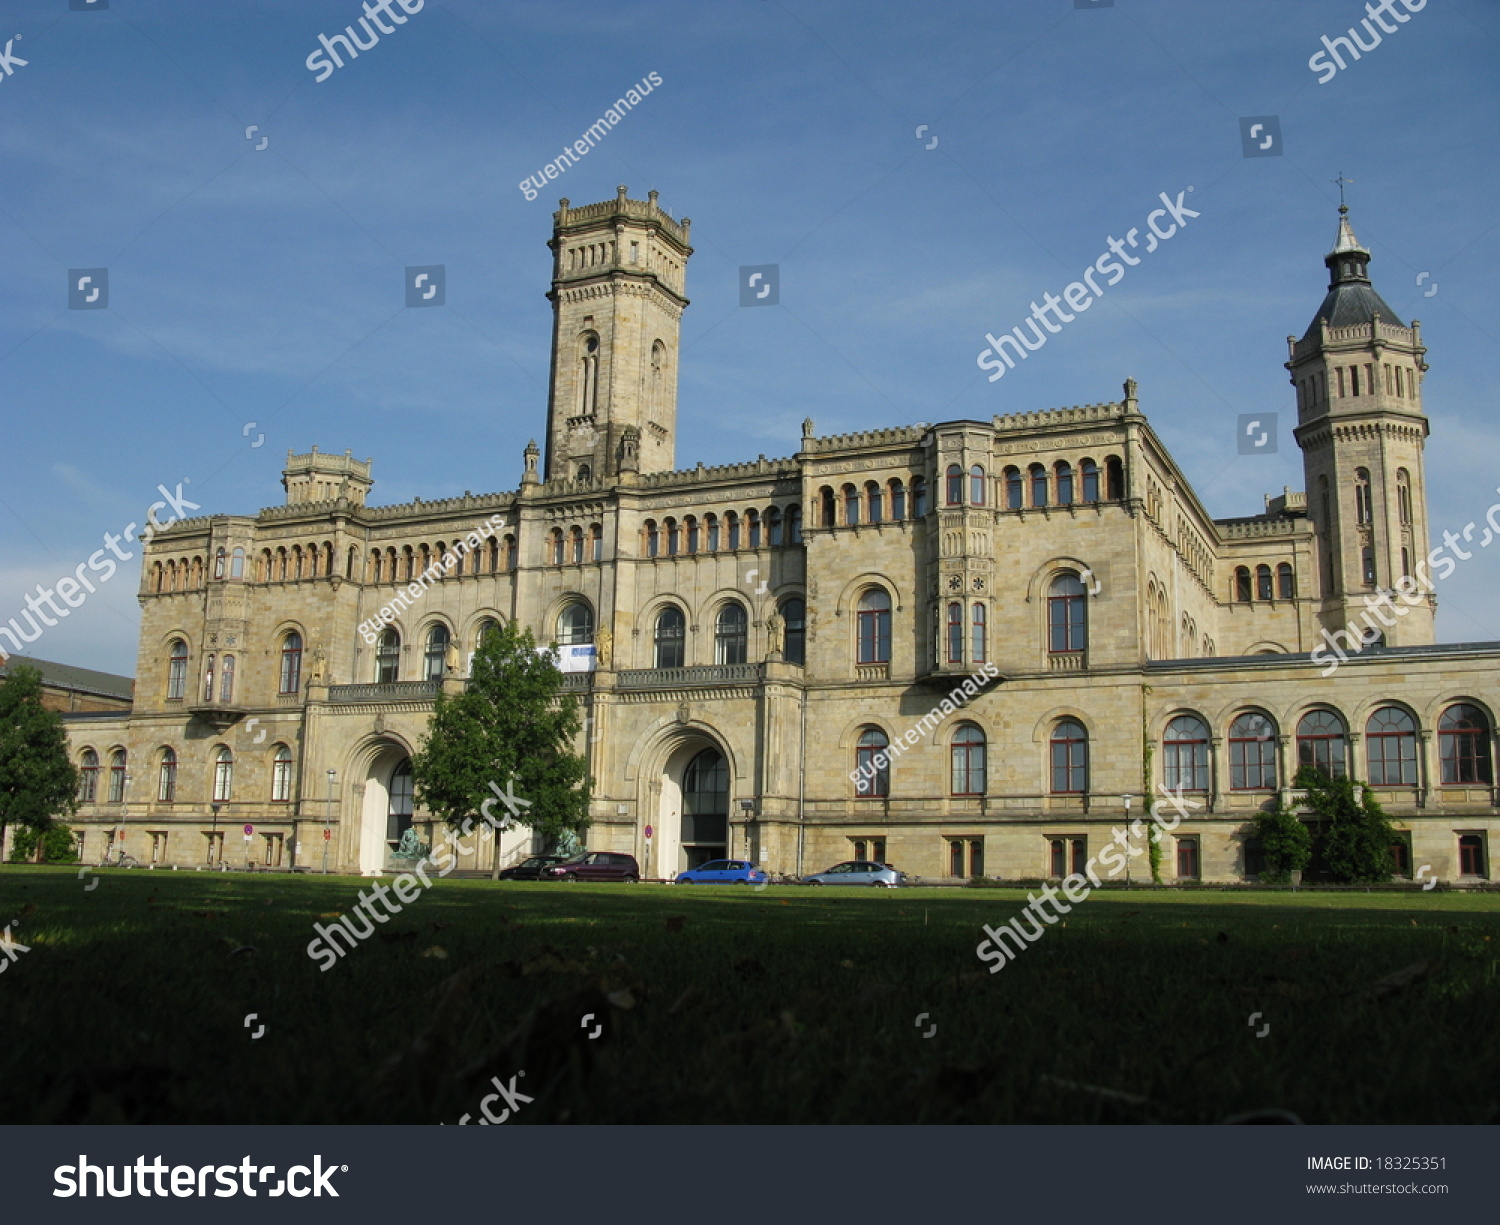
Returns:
<point x="1341" y="181"/>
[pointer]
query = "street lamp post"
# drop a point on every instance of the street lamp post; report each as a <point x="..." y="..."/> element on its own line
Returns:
<point x="748" y="808"/>
<point x="213" y="838"/>
<point x="1127" y="799"/>
<point x="327" y="816"/>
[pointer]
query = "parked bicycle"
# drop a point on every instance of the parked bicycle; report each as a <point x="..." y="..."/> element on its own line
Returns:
<point x="119" y="860"/>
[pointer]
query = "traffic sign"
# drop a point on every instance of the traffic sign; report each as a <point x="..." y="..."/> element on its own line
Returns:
<point x="649" y="831"/>
<point x="249" y="829"/>
<point x="327" y="834"/>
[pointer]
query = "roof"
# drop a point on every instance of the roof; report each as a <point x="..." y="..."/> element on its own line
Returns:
<point x="1350" y="298"/>
<point x="81" y="680"/>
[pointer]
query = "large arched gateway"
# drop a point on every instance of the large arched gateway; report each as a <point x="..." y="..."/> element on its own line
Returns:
<point x="691" y="825"/>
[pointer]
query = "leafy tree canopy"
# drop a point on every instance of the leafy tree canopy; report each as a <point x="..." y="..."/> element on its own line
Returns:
<point x="38" y="781"/>
<point x="1354" y="836"/>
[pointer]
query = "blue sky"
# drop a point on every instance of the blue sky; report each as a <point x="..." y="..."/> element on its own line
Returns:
<point x="266" y="285"/>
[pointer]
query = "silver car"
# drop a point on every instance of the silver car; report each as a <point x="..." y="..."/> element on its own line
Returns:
<point x="858" y="872"/>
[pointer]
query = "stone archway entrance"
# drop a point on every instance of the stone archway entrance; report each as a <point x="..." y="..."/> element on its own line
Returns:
<point x="692" y="824"/>
<point x="386" y="810"/>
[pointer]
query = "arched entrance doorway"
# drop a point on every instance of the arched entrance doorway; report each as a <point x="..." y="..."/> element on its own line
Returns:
<point x="692" y="824"/>
<point x="386" y="812"/>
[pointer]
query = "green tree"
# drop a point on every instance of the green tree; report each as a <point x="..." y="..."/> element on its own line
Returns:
<point x="1354" y="837"/>
<point x="56" y="844"/>
<point x="513" y="728"/>
<point x="38" y="781"/>
<point x="1285" y="842"/>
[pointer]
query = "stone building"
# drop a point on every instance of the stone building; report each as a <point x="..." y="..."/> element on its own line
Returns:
<point x="763" y="649"/>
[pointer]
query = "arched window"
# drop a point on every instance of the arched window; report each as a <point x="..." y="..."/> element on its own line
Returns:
<point x="955" y="486"/>
<point x="711" y="524"/>
<point x="671" y="630"/>
<point x="774" y="535"/>
<point x="219" y="563"/>
<point x="575" y="624"/>
<point x="1252" y="753"/>
<point x="1185" y="754"/>
<point x="226" y="684"/>
<point x="752" y="528"/>
<point x="208" y="678"/>
<point x="653" y="538"/>
<point x="955" y="632"/>
<point x="559" y="547"/>
<point x="1064" y="475"/>
<point x="966" y="758"/>
<point x="1464" y="745"/>
<point x="223" y="776"/>
<point x="794" y="525"/>
<point x="237" y="564"/>
<point x="1013" y="488"/>
<point x="596" y="539"/>
<point x="585" y="474"/>
<point x="117" y="768"/>
<point x="575" y="542"/>
<point x="731" y="631"/>
<point x="1403" y="496"/>
<point x="511" y="553"/>
<point x="1090" y="472"/>
<point x="486" y="627"/>
<point x="690" y="527"/>
<point x="826" y="514"/>
<point x="732" y="529"/>
<point x="1038" y="485"/>
<point x="177" y="663"/>
<point x="794" y="614"/>
<point x="166" y="779"/>
<point x="874" y="618"/>
<point x="1242" y="590"/>
<point x="918" y="497"/>
<point x="88" y="777"/>
<point x="674" y="537"/>
<point x="898" y="500"/>
<point x="436" y="653"/>
<point x="976" y="486"/>
<point x="1263" y="583"/>
<point x="1067" y="616"/>
<point x="1286" y="582"/>
<point x="1322" y="743"/>
<point x="1391" y="748"/>
<point x="872" y="765"/>
<point x="1362" y="508"/>
<point x="851" y="505"/>
<point x="388" y="657"/>
<point x="588" y="374"/>
<point x="1367" y="565"/>
<point x="281" y="775"/>
<point x="1070" y="758"/>
<point x="874" y="503"/>
<point x="399" y="807"/>
<point x="977" y="633"/>
<point x="1114" y="478"/>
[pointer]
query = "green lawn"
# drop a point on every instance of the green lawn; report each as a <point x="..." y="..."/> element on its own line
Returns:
<point x="788" y="1005"/>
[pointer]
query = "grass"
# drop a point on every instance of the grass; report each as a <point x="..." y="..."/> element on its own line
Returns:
<point x="722" y="1004"/>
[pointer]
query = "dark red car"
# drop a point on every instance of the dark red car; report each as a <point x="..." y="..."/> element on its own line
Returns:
<point x="596" y="865"/>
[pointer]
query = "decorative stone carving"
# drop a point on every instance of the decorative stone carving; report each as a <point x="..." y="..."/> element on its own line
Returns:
<point x="604" y="642"/>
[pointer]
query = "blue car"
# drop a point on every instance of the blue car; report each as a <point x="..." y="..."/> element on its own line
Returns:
<point x="723" y="872"/>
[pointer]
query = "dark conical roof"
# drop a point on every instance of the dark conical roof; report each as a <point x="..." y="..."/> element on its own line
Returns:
<point x="1350" y="298"/>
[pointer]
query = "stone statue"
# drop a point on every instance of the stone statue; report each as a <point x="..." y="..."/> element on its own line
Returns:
<point x="318" y="663"/>
<point x="776" y="634"/>
<point x="603" y="647"/>
<point x="411" y="845"/>
<point x="450" y="658"/>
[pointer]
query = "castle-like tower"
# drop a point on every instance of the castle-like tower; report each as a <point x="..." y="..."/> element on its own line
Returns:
<point x="618" y="275"/>
<point x="1358" y="376"/>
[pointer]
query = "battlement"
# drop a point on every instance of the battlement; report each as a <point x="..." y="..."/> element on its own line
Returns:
<point x="774" y="469"/>
<point x="1051" y="417"/>
<point x="894" y="435"/>
<point x="567" y="217"/>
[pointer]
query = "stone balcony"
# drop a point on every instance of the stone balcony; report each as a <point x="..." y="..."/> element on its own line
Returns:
<point x="385" y="691"/>
<point x="699" y="677"/>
